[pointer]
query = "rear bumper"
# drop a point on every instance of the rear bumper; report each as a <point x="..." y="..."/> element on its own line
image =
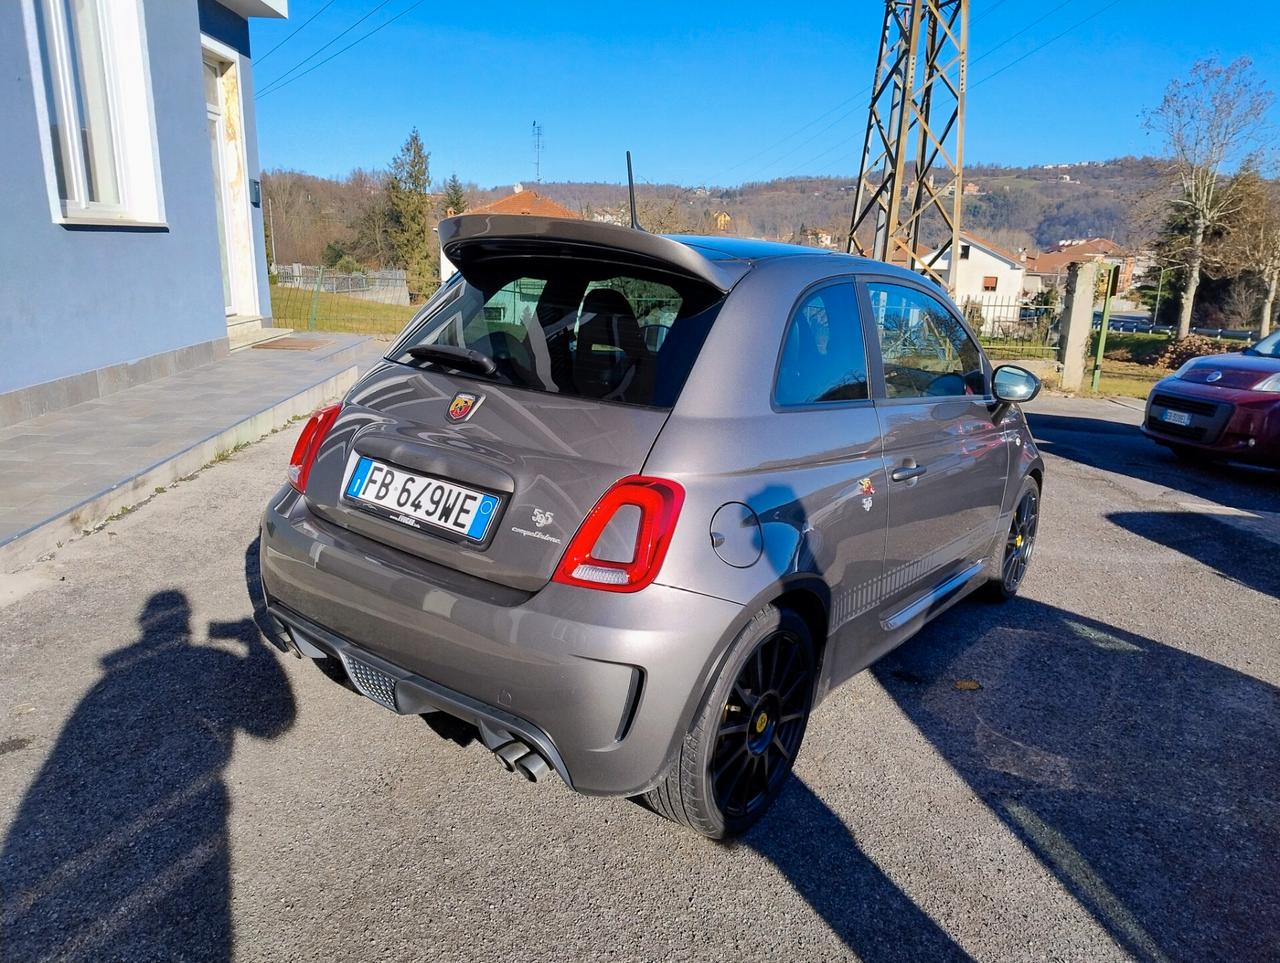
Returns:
<point x="603" y="685"/>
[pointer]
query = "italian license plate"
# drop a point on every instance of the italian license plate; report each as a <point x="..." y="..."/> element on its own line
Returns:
<point x="422" y="501"/>
<point x="1176" y="417"/>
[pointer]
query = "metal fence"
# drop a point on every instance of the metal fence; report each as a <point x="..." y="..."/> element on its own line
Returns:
<point x="324" y="299"/>
<point x="1013" y="328"/>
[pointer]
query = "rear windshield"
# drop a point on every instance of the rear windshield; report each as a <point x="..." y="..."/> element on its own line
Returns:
<point x="576" y="328"/>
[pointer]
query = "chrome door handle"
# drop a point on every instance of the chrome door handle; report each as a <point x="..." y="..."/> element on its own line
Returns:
<point x="907" y="472"/>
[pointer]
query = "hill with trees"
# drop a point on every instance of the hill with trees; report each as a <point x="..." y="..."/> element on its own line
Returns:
<point x="1018" y="207"/>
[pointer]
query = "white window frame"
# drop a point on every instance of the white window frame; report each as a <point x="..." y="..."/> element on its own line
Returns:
<point x="130" y="104"/>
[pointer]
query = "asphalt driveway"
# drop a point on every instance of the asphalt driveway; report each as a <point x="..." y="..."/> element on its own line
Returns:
<point x="172" y="788"/>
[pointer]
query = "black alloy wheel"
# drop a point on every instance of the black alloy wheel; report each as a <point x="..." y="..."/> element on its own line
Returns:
<point x="761" y="725"/>
<point x="1021" y="542"/>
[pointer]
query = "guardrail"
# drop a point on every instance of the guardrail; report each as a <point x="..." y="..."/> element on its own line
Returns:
<point x="1146" y="327"/>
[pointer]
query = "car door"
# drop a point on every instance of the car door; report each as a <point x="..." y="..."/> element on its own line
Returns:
<point x="947" y="461"/>
<point x="823" y="401"/>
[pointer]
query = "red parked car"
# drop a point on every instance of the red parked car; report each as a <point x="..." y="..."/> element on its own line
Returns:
<point x="1223" y="406"/>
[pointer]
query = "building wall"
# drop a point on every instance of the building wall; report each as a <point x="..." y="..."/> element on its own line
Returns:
<point x="79" y="299"/>
<point x="981" y="264"/>
<point x="998" y="305"/>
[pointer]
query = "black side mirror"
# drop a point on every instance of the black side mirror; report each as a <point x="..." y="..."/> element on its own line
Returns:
<point x="1012" y="385"/>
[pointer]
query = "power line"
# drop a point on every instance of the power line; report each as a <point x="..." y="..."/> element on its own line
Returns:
<point x="862" y="97"/>
<point x="1036" y="49"/>
<point x="267" y="88"/>
<point x="1080" y="23"/>
<point x="783" y="140"/>
<point x="1014" y="36"/>
<point x="848" y="113"/>
<point x="354" y="43"/>
<point x="258" y="60"/>
<point x="986" y="13"/>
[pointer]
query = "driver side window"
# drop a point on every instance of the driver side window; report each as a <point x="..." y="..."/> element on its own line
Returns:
<point x="927" y="352"/>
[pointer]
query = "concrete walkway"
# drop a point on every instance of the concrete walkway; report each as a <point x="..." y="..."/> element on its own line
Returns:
<point x="67" y="471"/>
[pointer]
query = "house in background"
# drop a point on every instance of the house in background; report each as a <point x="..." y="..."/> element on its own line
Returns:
<point x="519" y="201"/>
<point x="987" y="275"/>
<point x="1051" y="266"/>
<point x="133" y="242"/>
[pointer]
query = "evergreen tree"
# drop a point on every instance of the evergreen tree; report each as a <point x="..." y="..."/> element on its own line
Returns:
<point x="413" y="217"/>
<point x="455" y="198"/>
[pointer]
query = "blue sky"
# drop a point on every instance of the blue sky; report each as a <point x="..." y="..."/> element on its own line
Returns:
<point x="711" y="92"/>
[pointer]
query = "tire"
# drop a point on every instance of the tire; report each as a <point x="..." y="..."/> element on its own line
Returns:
<point x="1013" y="554"/>
<point x="768" y="680"/>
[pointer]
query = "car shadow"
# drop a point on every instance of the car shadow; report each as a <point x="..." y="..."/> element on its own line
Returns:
<point x="1145" y="778"/>
<point x="119" y="848"/>
<point x="1228" y="547"/>
<point x="818" y="855"/>
<point x="1123" y="449"/>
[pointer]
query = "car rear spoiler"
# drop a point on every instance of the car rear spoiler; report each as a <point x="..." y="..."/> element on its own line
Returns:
<point x="469" y="238"/>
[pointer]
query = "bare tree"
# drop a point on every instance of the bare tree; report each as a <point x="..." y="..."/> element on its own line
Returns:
<point x="1212" y="122"/>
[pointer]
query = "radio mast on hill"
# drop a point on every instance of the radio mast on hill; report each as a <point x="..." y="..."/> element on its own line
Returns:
<point x="537" y="152"/>
<point x="912" y="167"/>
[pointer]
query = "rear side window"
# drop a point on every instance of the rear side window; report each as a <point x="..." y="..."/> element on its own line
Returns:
<point x="927" y="352"/>
<point x="823" y="356"/>
<point x="576" y="328"/>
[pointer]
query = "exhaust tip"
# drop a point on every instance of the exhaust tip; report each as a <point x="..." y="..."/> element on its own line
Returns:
<point x="510" y="754"/>
<point x="533" y="767"/>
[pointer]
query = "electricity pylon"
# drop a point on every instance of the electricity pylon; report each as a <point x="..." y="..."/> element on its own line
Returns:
<point x="912" y="171"/>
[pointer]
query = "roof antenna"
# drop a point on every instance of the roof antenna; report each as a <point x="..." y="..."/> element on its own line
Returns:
<point x="631" y="189"/>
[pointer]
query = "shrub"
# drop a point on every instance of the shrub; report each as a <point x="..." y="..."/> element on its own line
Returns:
<point x="1129" y="346"/>
<point x="348" y="265"/>
<point x="1192" y="346"/>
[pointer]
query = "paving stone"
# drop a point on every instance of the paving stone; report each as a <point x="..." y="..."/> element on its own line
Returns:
<point x="52" y="463"/>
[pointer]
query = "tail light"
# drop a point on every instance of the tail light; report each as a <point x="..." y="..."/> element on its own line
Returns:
<point x="308" y="446"/>
<point x="658" y="501"/>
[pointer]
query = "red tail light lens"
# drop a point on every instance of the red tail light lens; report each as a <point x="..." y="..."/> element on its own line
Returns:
<point x="308" y="446"/>
<point x="659" y="503"/>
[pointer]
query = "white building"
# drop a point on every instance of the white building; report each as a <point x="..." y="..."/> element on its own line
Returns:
<point x="988" y="275"/>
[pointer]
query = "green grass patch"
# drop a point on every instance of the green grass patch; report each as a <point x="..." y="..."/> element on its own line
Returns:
<point x="292" y="308"/>
<point x="1122" y="378"/>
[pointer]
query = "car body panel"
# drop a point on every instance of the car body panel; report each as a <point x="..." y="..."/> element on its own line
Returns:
<point x="609" y="684"/>
<point x="800" y="470"/>
<point x="945" y="518"/>
<point x="538" y="452"/>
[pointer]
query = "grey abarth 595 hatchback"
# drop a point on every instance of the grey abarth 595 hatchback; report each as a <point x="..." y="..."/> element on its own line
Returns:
<point x="633" y="504"/>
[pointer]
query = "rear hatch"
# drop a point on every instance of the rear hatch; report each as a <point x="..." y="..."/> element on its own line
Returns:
<point x="527" y="386"/>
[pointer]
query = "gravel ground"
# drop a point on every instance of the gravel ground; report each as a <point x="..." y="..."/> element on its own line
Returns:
<point x="171" y="788"/>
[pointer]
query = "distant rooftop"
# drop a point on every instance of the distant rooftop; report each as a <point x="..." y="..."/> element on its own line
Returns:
<point x="525" y="202"/>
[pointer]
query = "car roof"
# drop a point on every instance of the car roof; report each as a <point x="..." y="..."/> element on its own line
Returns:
<point x="743" y="248"/>
<point x="750" y="249"/>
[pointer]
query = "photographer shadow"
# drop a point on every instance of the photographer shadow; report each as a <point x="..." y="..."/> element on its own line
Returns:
<point x="119" y="848"/>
